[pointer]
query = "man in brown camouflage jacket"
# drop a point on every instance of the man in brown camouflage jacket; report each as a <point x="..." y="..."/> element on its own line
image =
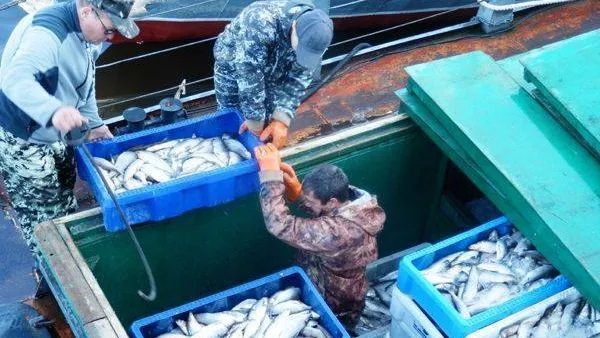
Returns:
<point x="338" y="242"/>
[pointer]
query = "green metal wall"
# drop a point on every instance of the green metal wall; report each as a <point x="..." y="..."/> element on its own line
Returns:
<point x="209" y="250"/>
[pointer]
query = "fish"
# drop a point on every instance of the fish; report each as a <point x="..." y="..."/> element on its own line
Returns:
<point x="285" y="295"/>
<point x="169" y="160"/>
<point x="162" y="146"/>
<point x="237" y="147"/>
<point x="291" y="306"/>
<point x="133" y="168"/>
<point x="281" y="315"/>
<point x="105" y="164"/>
<point x="561" y="319"/>
<point x="154" y="173"/>
<point x="484" y="246"/>
<point x="155" y="160"/>
<point x="496" y="262"/>
<point x="124" y="160"/>
<point x="471" y="287"/>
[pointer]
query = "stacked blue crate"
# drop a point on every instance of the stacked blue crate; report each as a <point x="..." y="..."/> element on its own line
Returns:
<point x="163" y="322"/>
<point x="172" y="198"/>
<point x="412" y="282"/>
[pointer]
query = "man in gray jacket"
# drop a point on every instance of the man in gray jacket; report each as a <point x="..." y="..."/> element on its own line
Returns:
<point x="264" y="61"/>
<point x="47" y="80"/>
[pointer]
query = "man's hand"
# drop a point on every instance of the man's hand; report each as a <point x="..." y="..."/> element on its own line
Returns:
<point x="67" y="118"/>
<point x="100" y="133"/>
<point x="245" y="127"/>
<point x="277" y="131"/>
<point x="267" y="157"/>
<point x="293" y="187"/>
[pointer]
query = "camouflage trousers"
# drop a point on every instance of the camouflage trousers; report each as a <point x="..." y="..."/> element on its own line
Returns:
<point x="39" y="179"/>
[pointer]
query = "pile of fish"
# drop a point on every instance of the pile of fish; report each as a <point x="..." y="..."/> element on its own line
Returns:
<point x="491" y="272"/>
<point x="281" y="316"/>
<point x="577" y="319"/>
<point x="377" y="305"/>
<point x="164" y="161"/>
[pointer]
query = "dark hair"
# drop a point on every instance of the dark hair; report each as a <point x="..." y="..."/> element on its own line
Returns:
<point x="327" y="181"/>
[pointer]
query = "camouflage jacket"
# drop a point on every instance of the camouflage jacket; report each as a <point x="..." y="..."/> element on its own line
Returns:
<point x="334" y="249"/>
<point x="269" y="79"/>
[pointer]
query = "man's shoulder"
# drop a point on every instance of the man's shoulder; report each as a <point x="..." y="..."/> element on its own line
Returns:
<point x="58" y="19"/>
<point x="261" y="13"/>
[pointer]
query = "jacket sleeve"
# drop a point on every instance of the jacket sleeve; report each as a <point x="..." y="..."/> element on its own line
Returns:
<point x="320" y="234"/>
<point x="34" y="67"/>
<point x="252" y="53"/>
<point x="90" y="108"/>
<point x="289" y="93"/>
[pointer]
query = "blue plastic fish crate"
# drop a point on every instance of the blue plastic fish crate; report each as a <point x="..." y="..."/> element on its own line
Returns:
<point x="163" y="322"/>
<point x="411" y="282"/>
<point x="172" y="198"/>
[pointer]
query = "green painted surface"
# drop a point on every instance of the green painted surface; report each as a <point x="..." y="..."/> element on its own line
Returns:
<point x="514" y="68"/>
<point x="568" y="77"/>
<point x="209" y="250"/>
<point x="551" y="182"/>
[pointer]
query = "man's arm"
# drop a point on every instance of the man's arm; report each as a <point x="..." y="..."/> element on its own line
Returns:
<point x="320" y="234"/>
<point x="289" y="93"/>
<point x="31" y="77"/>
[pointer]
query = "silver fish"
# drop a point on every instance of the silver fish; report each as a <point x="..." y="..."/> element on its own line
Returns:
<point x="526" y="326"/>
<point x="105" y="164"/>
<point x="124" y="160"/>
<point x="495" y="267"/>
<point x="132" y="183"/>
<point x="212" y="331"/>
<point x="155" y="160"/>
<point x="184" y="146"/>
<point x="466" y="256"/>
<point x="237" y="147"/>
<point x="566" y="321"/>
<point x="193" y="326"/>
<point x="484" y="246"/>
<point x="537" y="273"/>
<point x="487" y="277"/>
<point x="162" y="145"/>
<point x="292" y="293"/>
<point x="234" y="158"/>
<point x="133" y="168"/>
<point x="155" y="173"/>
<point x="291" y="306"/>
<point x="462" y="308"/>
<point x="245" y="306"/>
<point x="470" y="289"/>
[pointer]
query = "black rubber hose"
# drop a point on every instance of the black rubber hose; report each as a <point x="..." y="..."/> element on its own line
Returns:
<point x="78" y="137"/>
<point x="336" y="69"/>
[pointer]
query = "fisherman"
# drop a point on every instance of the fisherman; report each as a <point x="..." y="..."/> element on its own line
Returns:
<point x="265" y="60"/>
<point x="338" y="241"/>
<point x="47" y="80"/>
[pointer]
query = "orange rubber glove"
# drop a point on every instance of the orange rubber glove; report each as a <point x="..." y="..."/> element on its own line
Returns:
<point x="293" y="187"/>
<point x="267" y="157"/>
<point x="277" y="132"/>
<point x="244" y="127"/>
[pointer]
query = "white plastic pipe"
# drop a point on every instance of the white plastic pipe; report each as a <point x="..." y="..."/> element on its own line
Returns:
<point x="520" y="5"/>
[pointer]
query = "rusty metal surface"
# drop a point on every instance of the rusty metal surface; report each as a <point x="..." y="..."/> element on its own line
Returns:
<point x="370" y="88"/>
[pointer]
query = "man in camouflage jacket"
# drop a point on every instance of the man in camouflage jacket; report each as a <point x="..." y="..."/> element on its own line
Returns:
<point x="338" y="242"/>
<point x="47" y="80"/>
<point x="264" y="61"/>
